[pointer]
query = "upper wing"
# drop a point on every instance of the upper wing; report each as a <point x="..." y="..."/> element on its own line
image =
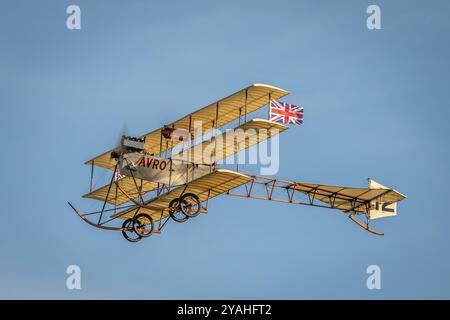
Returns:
<point x="206" y="187"/>
<point x="223" y="111"/>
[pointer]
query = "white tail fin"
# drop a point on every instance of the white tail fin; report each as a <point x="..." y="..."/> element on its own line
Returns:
<point x="382" y="206"/>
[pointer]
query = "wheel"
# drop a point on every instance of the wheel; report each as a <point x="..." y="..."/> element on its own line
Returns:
<point x="129" y="233"/>
<point x="190" y="204"/>
<point x="175" y="213"/>
<point x="143" y="225"/>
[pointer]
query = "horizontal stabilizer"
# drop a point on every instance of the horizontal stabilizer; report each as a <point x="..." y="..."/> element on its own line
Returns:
<point x="354" y="200"/>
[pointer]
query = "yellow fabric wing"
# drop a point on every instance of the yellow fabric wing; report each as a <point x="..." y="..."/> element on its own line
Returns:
<point x="223" y="111"/>
<point x="206" y="187"/>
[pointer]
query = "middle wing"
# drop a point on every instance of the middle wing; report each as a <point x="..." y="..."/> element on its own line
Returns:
<point x="201" y="153"/>
<point x="228" y="144"/>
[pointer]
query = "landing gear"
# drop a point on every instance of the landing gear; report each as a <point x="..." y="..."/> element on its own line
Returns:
<point x="175" y="212"/>
<point x="128" y="231"/>
<point x="143" y="225"/>
<point x="185" y="207"/>
<point x="190" y="205"/>
<point x="140" y="227"/>
<point x="180" y="210"/>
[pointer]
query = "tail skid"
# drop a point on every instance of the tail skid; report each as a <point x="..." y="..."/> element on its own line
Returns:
<point x="365" y="226"/>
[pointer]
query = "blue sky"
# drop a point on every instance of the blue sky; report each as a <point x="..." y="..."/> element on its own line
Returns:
<point x="376" y="105"/>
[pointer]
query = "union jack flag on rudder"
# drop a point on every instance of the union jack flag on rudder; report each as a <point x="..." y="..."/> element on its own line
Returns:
<point x="286" y="113"/>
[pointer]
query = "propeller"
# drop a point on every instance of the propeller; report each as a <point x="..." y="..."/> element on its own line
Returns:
<point x="118" y="149"/>
<point x="127" y="144"/>
<point x="123" y="132"/>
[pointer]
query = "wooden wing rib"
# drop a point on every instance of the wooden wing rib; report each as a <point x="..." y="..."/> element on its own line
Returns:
<point x="225" y="110"/>
<point x="204" y="152"/>
<point x="115" y="195"/>
<point x="206" y="187"/>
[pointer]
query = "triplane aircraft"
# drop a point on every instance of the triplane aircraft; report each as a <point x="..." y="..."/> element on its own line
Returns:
<point x="148" y="187"/>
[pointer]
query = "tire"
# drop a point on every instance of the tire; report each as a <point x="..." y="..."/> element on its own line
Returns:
<point x="143" y="225"/>
<point x="128" y="224"/>
<point x="175" y="213"/>
<point x="190" y="205"/>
